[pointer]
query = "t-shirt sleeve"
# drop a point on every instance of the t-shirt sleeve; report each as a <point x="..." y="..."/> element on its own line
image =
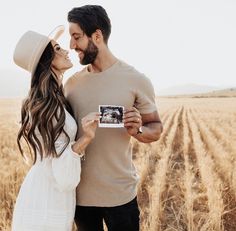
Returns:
<point x="145" y="96"/>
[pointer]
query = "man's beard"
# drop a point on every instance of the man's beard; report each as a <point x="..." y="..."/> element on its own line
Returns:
<point x="90" y="54"/>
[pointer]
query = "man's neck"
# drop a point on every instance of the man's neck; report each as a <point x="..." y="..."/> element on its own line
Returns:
<point x="103" y="61"/>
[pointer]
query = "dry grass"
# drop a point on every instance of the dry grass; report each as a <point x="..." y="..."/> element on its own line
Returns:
<point x="188" y="177"/>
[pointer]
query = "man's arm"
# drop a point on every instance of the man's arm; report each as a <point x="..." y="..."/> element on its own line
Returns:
<point x="151" y="125"/>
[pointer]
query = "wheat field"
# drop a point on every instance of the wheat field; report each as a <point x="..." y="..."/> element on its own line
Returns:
<point x="187" y="178"/>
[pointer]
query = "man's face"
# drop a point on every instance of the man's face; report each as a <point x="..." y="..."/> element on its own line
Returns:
<point x="82" y="44"/>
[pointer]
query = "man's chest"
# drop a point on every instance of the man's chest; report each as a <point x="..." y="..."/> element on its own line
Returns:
<point x="87" y="96"/>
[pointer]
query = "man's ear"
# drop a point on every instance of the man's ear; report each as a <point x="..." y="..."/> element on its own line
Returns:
<point x="97" y="36"/>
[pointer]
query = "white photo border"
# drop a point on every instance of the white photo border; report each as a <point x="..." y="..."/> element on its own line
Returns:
<point x="110" y="125"/>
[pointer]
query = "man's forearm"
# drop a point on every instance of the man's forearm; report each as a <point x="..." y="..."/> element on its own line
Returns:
<point x="151" y="132"/>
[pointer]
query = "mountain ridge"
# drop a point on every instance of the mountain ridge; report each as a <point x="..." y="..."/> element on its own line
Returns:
<point x="190" y="89"/>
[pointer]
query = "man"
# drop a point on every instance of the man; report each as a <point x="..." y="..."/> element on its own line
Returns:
<point x="107" y="190"/>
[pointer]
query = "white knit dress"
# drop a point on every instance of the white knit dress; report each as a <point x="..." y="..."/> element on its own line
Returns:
<point x="46" y="200"/>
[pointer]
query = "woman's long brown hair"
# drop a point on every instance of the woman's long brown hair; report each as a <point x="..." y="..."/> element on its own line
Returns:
<point x="43" y="111"/>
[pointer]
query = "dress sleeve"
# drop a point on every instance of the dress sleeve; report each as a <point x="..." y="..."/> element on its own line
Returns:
<point x="66" y="169"/>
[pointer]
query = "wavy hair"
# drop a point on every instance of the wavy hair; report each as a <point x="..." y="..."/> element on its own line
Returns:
<point x="43" y="111"/>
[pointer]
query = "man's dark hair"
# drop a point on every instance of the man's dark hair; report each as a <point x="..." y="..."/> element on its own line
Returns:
<point x="90" y="18"/>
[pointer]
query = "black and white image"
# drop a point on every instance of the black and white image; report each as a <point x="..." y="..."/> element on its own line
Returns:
<point x="111" y="116"/>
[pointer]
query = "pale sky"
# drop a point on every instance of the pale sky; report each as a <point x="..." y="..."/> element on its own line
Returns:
<point x="172" y="42"/>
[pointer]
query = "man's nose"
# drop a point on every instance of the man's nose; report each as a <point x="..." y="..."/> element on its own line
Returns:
<point x="72" y="44"/>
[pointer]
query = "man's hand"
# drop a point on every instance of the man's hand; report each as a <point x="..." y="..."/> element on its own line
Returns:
<point x="132" y="120"/>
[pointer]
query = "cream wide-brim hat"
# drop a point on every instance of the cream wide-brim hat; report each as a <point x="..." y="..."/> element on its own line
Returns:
<point x="31" y="46"/>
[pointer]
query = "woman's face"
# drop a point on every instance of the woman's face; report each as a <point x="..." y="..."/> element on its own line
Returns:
<point x="61" y="61"/>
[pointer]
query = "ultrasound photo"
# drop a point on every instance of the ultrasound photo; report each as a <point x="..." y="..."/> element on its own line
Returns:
<point x="111" y="116"/>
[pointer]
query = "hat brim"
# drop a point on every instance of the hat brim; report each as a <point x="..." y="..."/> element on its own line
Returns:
<point x="56" y="32"/>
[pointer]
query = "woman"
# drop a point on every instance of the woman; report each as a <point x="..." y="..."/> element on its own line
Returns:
<point x="46" y="200"/>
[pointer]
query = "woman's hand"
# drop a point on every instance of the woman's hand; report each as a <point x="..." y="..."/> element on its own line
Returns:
<point x="89" y="124"/>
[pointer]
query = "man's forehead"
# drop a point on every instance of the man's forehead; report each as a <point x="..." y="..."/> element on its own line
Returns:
<point x="75" y="28"/>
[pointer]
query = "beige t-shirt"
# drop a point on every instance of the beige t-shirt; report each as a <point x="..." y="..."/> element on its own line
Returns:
<point x="108" y="176"/>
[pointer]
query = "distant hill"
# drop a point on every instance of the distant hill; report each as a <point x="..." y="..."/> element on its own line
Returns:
<point x="187" y="89"/>
<point x="229" y="92"/>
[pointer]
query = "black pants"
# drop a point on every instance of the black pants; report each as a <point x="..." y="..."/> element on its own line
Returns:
<point x="119" y="218"/>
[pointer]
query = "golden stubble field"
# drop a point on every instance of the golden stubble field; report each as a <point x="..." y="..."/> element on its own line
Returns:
<point x="187" y="178"/>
